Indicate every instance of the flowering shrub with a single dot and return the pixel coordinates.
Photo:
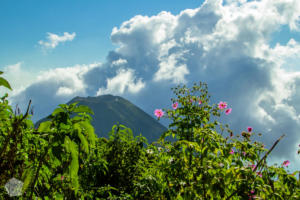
(64, 159)
(201, 164)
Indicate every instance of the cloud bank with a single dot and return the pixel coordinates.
(225, 44)
(54, 40)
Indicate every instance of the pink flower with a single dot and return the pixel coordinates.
(253, 167)
(228, 111)
(175, 105)
(244, 153)
(222, 105)
(200, 102)
(249, 128)
(286, 163)
(62, 178)
(191, 100)
(159, 113)
(259, 174)
(232, 151)
(252, 196)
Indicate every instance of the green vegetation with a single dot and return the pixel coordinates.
(64, 159)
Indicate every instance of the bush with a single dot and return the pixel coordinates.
(63, 158)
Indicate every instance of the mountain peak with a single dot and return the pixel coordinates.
(110, 110)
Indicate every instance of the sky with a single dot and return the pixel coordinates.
(248, 53)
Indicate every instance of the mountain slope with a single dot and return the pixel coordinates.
(109, 109)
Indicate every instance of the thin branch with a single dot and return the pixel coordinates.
(27, 111)
(263, 158)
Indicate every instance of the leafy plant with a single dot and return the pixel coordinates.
(64, 159)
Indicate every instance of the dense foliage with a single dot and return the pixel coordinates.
(64, 159)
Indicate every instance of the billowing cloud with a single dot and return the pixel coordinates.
(18, 77)
(124, 80)
(53, 87)
(54, 40)
(225, 44)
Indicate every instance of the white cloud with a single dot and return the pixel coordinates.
(18, 77)
(53, 87)
(54, 40)
(119, 62)
(122, 81)
(170, 70)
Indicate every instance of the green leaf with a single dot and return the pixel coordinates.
(27, 177)
(44, 126)
(59, 196)
(4, 83)
(84, 143)
(57, 110)
(83, 108)
(71, 147)
(89, 132)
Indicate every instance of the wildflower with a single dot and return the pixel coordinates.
(253, 167)
(252, 196)
(259, 174)
(191, 100)
(159, 113)
(244, 153)
(171, 160)
(200, 102)
(286, 163)
(222, 105)
(249, 128)
(245, 134)
(175, 105)
(228, 111)
(232, 151)
(62, 178)
(182, 183)
(149, 151)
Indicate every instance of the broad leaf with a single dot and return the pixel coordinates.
(4, 83)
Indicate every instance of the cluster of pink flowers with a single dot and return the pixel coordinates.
(222, 105)
(159, 113)
(232, 151)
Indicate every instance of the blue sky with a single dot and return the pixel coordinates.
(24, 23)
(248, 53)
